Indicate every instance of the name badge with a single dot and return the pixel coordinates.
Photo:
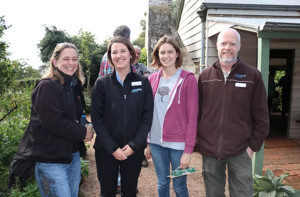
(136, 83)
(240, 85)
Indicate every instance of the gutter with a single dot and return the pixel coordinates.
(202, 14)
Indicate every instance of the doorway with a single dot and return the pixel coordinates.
(280, 76)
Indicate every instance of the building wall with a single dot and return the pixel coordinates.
(190, 33)
(248, 51)
(190, 29)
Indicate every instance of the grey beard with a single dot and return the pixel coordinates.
(228, 60)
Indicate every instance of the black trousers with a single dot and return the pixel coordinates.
(108, 168)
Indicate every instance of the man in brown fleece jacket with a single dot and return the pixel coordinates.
(233, 119)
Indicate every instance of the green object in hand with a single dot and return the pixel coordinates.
(180, 172)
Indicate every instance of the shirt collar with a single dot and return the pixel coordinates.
(118, 78)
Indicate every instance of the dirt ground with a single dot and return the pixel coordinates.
(147, 185)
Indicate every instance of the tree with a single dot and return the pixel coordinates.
(6, 66)
(143, 57)
(97, 60)
(140, 41)
(176, 7)
(7, 74)
(52, 37)
(3, 45)
(24, 71)
(89, 52)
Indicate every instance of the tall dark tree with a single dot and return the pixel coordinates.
(52, 37)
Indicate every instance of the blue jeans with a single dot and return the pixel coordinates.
(57, 179)
(239, 175)
(162, 158)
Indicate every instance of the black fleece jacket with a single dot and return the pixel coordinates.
(121, 114)
(53, 126)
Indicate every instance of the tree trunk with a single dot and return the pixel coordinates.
(159, 24)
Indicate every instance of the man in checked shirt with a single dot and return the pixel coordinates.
(105, 67)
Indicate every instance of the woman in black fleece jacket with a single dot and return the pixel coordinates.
(54, 134)
(122, 109)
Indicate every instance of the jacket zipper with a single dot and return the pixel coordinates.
(124, 118)
(220, 140)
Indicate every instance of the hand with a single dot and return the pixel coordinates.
(250, 152)
(185, 160)
(127, 150)
(148, 152)
(89, 133)
(119, 155)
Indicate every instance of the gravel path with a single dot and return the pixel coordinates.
(147, 185)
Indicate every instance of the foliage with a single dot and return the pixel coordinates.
(7, 74)
(278, 75)
(12, 127)
(3, 45)
(176, 11)
(271, 186)
(10, 71)
(88, 49)
(90, 52)
(143, 57)
(23, 70)
(6, 66)
(30, 190)
(11, 132)
(25, 82)
(52, 37)
(277, 102)
(84, 167)
(140, 41)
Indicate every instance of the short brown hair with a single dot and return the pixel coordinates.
(166, 39)
(124, 41)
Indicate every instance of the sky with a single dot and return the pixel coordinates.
(100, 17)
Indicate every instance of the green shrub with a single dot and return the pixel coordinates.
(143, 57)
(84, 167)
(271, 186)
(11, 131)
(31, 82)
(12, 128)
(30, 190)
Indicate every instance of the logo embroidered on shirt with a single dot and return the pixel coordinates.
(136, 90)
(239, 76)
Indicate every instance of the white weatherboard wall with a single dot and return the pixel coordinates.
(190, 28)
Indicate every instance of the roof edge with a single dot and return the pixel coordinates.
(272, 26)
(206, 5)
